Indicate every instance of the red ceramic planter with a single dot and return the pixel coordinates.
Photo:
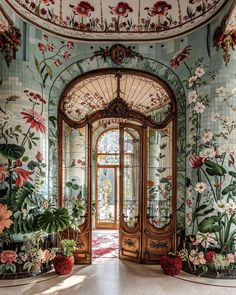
(171, 265)
(63, 264)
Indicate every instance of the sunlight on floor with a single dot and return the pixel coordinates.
(67, 283)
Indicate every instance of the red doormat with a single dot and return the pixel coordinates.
(105, 245)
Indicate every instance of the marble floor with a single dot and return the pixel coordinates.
(111, 276)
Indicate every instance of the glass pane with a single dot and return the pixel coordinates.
(106, 195)
(109, 142)
(131, 176)
(159, 186)
(75, 171)
(108, 160)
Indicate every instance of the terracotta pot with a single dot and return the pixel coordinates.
(63, 264)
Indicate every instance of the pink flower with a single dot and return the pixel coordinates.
(180, 57)
(121, 9)
(3, 173)
(196, 161)
(5, 221)
(48, 2)
(51, 47)
(22, 176)
(189, 203)
(230, 257)
(35, 119)
(70, 45)
(83, 9)
(57, 62)
(65, 55)
(159, 8)
(8, 256)
(18, 163)
(39, 157)
(46, 255)
(42, 47)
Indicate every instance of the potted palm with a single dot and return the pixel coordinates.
(64, 262)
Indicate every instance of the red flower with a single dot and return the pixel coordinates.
(171, 265)
(35, 119)
(18, 163)
(217, 184)
(5, 221)
(51, 47)
(48, 2)
(150, 183)
(180, 57)
(83, 8)
(70, 45)
(121, 9)
(42, 47)
(3, 173)
(22, 176)
(196, 161)
(39, 157)
(8, 256)
(65, 55)
(57, 62)
(209, 256)
(159, 8)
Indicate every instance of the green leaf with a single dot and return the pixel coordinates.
(12, 151)
(201, 208)
(75, 187)
(37, 65)
(25, 159)
(53, 120)
(214, 169)
(233, 174)
(69, 184)
(12, 268)
(228, 189)
(210, 225)
(54, 221)
(49, 71)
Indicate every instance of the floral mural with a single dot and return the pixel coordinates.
(106, 19)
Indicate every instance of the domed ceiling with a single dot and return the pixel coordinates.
(109, 20)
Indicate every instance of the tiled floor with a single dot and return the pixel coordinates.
(111, 276)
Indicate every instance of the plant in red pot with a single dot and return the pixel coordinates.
(171, 264)
(64, 262)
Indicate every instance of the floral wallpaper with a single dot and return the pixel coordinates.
(99, 20)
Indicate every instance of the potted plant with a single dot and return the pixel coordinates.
(171, 264)
(64, 262)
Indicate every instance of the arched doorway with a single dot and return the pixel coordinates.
(141, 105)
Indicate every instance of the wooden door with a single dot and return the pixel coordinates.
(131, 175)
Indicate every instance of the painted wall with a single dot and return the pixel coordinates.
(27, 119)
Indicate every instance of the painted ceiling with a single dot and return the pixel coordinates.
(133, 20)
(140, 93)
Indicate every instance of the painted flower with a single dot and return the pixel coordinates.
(51, 47)
(35, 119)
(45, 204)
(121, 9)
(199, 72)
(205, 239)
(200, 187)
(215, 117)
(39, 157)
(197, 258)
(230, 257)
(70, 45)
(65, 55)
(42, 47)
(22, 176)
(83, 9)
(207, 137)
(199, 107)
(234, 91)
(220, 90)
(180, 57)
(192, 80)
(159, 8)
(8, 257)
(225, 148)
(220, 206)
(57, 62)
(230, 207)
(46, 256)
(3, 173)
(208, 153)
(48, 2)
(5, 214)
(209, 256)
(150, 183)
(189, 203)
(196, 161)
(192, 96)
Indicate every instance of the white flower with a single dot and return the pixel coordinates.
(207, 136)
(230, 207)
(234, 92)
(192, 96)
(200, 187)
(220, 206)
(215, 117)
(208, 153)
(205, 239)
(199, 108)
(225, 148)
(199, 72)
(192, 80)
(220, 90)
